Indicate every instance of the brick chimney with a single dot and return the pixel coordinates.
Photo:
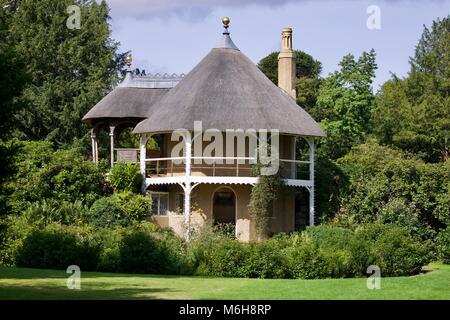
(286, 63)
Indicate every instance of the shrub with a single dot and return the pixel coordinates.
(305, 261)
(388, 186)
(327, 252)
(109, 258)
(224, 258)
(120, 209)
(443, 245)
(393, 249)
(266, 260)
(45, 174)
(15, 229)
(156, 253)
(107, 213)
(126, 177)
(135, 206)
(57, 247)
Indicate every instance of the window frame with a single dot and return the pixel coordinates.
(159, 194)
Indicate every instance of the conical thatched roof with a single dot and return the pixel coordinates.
(226, 90)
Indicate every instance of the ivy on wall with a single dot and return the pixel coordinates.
(262, 197)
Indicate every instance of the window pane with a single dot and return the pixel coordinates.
(164, 204)
(155, 202)
(179, 203)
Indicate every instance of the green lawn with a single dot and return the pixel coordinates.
(18, 283)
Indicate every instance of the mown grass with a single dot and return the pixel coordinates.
(21, 283)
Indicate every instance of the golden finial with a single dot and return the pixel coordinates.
(226, 21)
(129, 59)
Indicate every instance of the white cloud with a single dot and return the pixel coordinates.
(194, 9)
(187, 8)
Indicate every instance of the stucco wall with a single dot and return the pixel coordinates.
(283, 219)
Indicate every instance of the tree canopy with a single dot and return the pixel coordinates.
(70, 69)
(414, 113)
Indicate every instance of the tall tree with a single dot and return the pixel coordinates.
(71, 69)
(414, 113)
(307, 72)
(13, 78)
(344, 104)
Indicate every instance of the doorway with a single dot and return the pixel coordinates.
(224, 206)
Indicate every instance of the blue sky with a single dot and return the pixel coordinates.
(174, 35)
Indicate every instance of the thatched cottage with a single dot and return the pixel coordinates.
(200, 135)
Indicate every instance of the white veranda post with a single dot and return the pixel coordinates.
(111, 141)
(187, 185)
(143, 154)
(94, 141)
(311, 178)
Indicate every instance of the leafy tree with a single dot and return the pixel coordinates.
(63, 175)
(414, 113)
(307, 72)
(70, 69)
(388, 186)
(13, 78)
(345, 103)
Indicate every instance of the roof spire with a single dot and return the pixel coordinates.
(129, 73)
(226, 41)
(226, 22)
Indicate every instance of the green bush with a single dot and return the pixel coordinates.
(305, 261)
(443, 245)
(57, 247)
(14, 231)
(154, 253)
(266, 260)
(224, 258)
(135, 206)
(387, 186)
(120, 209)
(126, 177)
(55, 176)
(393, 249)
(107, 213)
(327, 252)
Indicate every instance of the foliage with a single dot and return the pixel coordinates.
(59, 247)
(44, 174)
(319, 252)
(120, 209)
(224, 258)
(143, 252)
(262, 197)
(330, 185)
(126, 177)
(307, 73)
(266, 260)
(135, 206)
(443, 245)
(70, 69)
(413, 113)
(107, 213)
(393, 249)
(344, 104)
(388, 187)
(306, 66)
